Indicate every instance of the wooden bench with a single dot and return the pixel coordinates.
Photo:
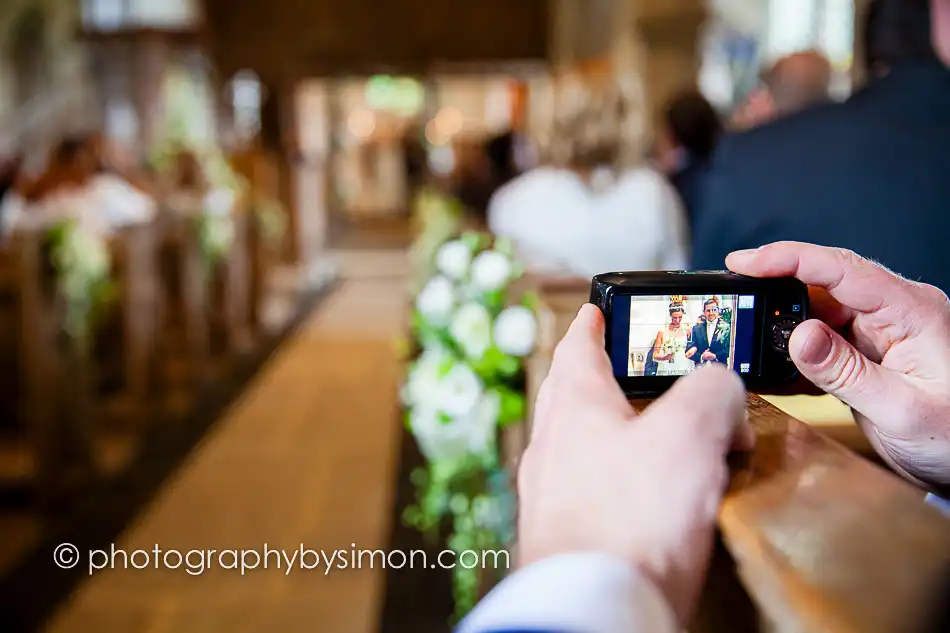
(56, 389)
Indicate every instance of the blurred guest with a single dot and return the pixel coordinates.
(687, 140)
(586, 212)
(10, 170)
(80, 184)
(868, 175)
(793, 83)
(414, 157)
(500, 151)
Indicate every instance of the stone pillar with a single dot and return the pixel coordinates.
(669, 38)
(653, 43)
(151, 63)
(301, 167)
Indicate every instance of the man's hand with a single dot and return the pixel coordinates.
(708, 356)
(881, 344)
(597, 477)
(691, 352)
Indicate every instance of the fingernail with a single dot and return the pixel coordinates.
(817, 347)
(745, 253)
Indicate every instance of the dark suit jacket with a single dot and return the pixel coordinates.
(688, 182)
(719, 346)
(871, 175)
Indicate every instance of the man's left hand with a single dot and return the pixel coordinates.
(597, 477)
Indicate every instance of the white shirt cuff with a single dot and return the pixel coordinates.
(574, 593)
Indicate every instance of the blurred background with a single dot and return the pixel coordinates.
(240, 385)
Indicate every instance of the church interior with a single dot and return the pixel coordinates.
(229, 362)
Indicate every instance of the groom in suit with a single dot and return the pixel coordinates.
(711, 337)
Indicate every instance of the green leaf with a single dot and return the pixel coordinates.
(509, 366)
(494, 300)
(531, 300)
(505, 246)
(446, 366)
(513, 407)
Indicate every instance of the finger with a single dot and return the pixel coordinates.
(582, 350)
(853, 281)
(836, 367)
(720, 423)
(581, 376)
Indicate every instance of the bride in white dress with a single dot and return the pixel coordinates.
(590, 211)
(669, 349)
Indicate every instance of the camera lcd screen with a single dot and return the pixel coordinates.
(672, 335)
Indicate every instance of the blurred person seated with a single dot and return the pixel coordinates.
(191, 190)
(794, 83)
(79, 183)
(868, 174)
(686, 141)
(585, 212)
(617, 510)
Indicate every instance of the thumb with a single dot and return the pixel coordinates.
(837, 368)
(720, 422)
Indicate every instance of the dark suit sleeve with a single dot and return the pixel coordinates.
(716, 217)
(699, 341)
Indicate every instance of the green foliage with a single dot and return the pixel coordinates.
(496, 367)
(272, 218)
(215, 237)
(83, 269)
(471, 494)
(513, 407)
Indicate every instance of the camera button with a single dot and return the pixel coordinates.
(782, 332)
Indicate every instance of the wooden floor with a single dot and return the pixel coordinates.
(306, 456)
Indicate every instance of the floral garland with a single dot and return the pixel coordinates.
(82, 264)
(467, 384)
(271, 217)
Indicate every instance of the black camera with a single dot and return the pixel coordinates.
(662, 325)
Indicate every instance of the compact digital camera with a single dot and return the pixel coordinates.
(663, 325)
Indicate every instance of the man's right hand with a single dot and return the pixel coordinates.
(882, 346)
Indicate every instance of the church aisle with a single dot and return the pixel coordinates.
(306, 456)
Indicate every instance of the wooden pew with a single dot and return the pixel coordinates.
(230, 310)
(823, 540)
(813, 537)
(185, 294)
(56, 383)
(137, 314)
(9, 339)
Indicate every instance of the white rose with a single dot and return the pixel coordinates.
(436, 301)
(422, 383)
(459, 391)
(462, 436)
(481, 424)
(491, 271)
(453, 259)
(471, 329)
(516, 331)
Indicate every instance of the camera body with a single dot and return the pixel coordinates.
(662, 325)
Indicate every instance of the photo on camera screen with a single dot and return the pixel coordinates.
(672, 335)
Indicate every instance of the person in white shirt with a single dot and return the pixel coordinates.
(80, 184)
(586, 213)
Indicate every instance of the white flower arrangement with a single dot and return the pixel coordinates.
(465, 385)
(83, 266)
